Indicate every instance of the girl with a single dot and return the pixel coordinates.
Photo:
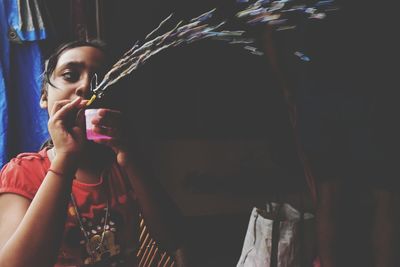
(76, 202)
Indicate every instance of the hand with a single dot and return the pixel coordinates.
(66, 131)
(112, 123)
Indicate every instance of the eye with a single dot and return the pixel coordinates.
(71, 76)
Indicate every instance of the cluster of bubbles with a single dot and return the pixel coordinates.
(282, 14)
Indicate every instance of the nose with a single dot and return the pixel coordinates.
(83, 89)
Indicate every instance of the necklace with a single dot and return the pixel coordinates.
(94, 245)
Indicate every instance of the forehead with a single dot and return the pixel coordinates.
(90, 57)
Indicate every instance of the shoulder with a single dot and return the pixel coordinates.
(27, 161)
(24, 173)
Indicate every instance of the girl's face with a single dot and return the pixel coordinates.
(72, 75)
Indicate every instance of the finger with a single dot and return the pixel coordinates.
(81, 112)
(58, 105)
(108, 118)
(83, 103)
(111, 132)
(66, 110)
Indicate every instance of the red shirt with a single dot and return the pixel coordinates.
(24, 174)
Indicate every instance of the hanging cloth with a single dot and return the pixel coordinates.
(23, 125)
(25, 20)
(4, 72)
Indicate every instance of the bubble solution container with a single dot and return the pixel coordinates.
(90, 134)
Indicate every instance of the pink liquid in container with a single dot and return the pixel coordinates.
(90, 134)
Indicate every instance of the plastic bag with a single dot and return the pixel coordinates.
(279, 236)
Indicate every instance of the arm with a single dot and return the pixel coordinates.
(160, 213)
(23, 240)
(30, 233)
(12, 210)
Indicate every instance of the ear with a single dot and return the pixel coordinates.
(43, 101)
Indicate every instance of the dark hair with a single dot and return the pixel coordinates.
(51, 62)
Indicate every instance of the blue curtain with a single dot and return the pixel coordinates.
(23, 125)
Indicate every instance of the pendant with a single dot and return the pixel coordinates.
(97, 248)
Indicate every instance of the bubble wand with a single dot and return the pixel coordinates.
(261, 12)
